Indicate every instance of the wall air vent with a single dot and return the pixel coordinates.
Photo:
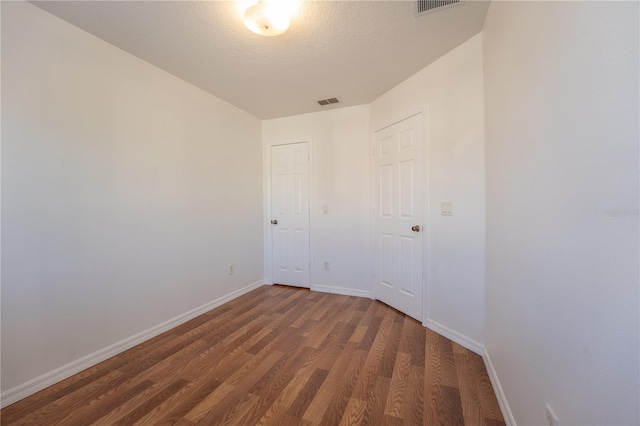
(328, 101)
(428, 6)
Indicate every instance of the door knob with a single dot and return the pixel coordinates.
(415, 228)
(274, 222)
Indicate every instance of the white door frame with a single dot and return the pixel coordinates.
(376, 127)
(268, 228)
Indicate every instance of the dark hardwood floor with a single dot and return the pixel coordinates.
(280, 356)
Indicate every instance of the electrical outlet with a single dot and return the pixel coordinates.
(325, 209)
(325, 265)
(552, 419)
(231, 270)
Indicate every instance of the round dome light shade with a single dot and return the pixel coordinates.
(265, 20)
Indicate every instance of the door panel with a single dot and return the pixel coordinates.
(406, 189)
(399, 202)
(386, 266)
(290, 209)
(407, 266)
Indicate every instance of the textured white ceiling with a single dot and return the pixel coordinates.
(353, 50)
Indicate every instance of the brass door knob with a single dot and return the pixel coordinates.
(274, 222)
(415, 228)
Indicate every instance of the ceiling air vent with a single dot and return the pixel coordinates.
(428, 6)
(328, 101)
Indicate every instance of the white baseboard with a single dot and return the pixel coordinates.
(453, 335)
(497, 388)
(35, 385)
(341, 290)
(476, 347)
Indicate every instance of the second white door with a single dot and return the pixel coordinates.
(398, 216)
(290, 214)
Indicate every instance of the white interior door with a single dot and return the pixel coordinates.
(290, 214)
(398, 216)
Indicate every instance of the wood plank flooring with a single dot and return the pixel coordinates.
(278, 356)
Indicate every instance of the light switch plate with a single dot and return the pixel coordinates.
(446, 208)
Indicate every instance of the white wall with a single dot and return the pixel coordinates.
(561, 85)
(451, 88)
(126, 193)
(340, 179)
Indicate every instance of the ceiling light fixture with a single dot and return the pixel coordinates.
(269, 17)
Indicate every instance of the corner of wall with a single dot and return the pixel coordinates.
(497, 388)
(455, 336)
